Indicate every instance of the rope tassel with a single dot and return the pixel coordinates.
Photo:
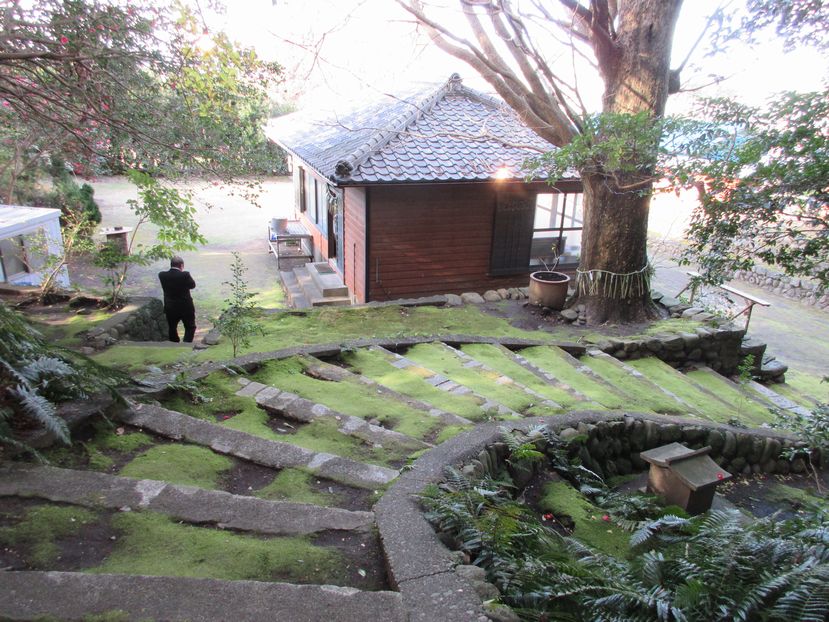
(614, 285)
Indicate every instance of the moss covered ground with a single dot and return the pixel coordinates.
(41, 527)
(411, 382)
(442, 360)
(593, 526)
(744, 408)
(223, 407)
(349, 397)
(496, 358)
(190, 465)
(153, 544)
(557, 363)
(641, 391)
(296, 486)
(707, 404)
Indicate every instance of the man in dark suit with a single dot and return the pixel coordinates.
(178, 305)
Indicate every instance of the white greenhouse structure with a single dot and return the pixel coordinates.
(27, 236)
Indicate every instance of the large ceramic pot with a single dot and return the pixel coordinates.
(548, 289)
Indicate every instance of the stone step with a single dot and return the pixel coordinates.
(744, 405)
(503, 360)
(327, 280)
(268, 453)
(779, 401)
(298, 408)
(313, 294)
(441, 383)
(333, 373)
(293, 290)
(464, 370)
(642, 392)
(570, 370)
(187, 503)
(73, 595)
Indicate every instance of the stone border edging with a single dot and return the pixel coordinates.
(420, 566)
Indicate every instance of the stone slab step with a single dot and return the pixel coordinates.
(744, 404)
(296, 297)
(298, 408)
(443, 383)
(780, 401)
(187, 503)
(326, 371)
(327, 280)
(268, 453)
(313, 293)
(636, 384)
(74, 595)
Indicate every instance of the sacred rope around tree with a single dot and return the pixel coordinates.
(613, 284)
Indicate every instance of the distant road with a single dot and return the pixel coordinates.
(796, 334)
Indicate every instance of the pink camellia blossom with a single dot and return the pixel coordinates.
(606, 518)
(720, 476)
(105, 106)
(547, 516)
(64, 39)
(6, 103)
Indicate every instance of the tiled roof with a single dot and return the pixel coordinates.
(444, 133)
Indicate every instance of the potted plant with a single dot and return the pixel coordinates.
(548, 288)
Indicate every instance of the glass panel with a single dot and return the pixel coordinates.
(11, 250)
(558, 224)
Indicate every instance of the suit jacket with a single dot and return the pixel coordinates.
(177, 285)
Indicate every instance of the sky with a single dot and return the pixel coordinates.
(347, 49)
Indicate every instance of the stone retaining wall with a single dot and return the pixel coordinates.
(141, 320)
(803, 290)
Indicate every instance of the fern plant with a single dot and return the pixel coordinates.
(35, 375)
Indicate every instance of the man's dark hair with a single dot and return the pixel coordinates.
(176, 262)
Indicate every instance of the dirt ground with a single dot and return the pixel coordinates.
(230, 223)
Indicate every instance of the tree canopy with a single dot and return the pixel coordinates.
(112, 86)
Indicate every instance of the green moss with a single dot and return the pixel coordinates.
(448, 432)
(741, 406)
(557, 363)
(496, 358)
(488, 383)
(806, 388)
(190, 465)
(708, 405)
(98, 461)
(155, 545)
(411, 382)
(41, 527)
(590, 528)
(296, 486)
(642, 394)
(796, 497)
(348, 397)
(124, 443)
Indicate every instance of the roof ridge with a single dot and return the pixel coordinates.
(345, 166)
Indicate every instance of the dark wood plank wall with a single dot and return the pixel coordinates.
(433, 239)
(354, 241)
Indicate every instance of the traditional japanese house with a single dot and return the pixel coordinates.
(427, 193)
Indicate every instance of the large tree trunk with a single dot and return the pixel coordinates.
(613, 280)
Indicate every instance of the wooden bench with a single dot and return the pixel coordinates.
(288, 238)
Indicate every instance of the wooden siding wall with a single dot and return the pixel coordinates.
(313, 194)
(354, 241)
(433, 239)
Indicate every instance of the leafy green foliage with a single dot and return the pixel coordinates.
(238, 320)
(35, 375)
(813, 431)
(171, 211)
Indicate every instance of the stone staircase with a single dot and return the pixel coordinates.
(314, 285)
(348, 419)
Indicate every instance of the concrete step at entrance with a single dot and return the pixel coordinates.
(300, 409)
(643, 392)
(313, 294)
(187, 503)
(569, 370)
(412, 377)
(293, 290)
(743, 403)
(503, 360)
(327, 280)
(706, 402)
(466, 371)
(326, 371)
(268, 453)
(75, 595)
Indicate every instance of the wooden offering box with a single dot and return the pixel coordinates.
(684, 477)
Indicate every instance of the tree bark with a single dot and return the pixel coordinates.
(636, 76)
